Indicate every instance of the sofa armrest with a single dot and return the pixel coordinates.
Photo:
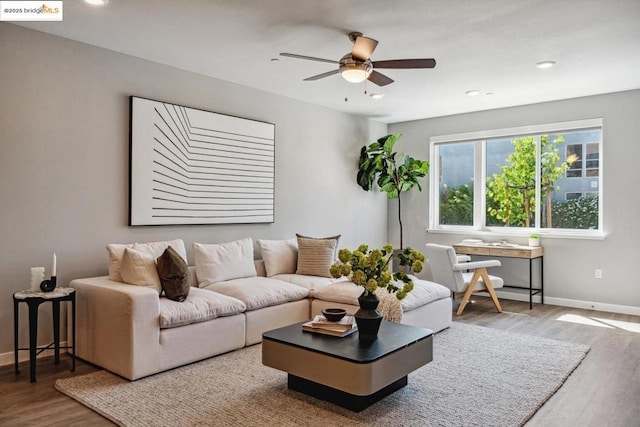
(117, 326)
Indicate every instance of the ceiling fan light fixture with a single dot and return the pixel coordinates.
(377, 95)
(355, 73)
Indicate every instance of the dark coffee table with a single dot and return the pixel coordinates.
(345, 371)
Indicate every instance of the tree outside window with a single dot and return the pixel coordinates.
(511, 194)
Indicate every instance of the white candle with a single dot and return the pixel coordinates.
(53, 269)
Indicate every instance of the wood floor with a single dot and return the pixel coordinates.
(604, 391)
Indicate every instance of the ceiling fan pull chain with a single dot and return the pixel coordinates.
(346, 90)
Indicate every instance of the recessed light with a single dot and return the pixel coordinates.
(377, 95)
(545, 64)
(473, 92)
(97, 2)
(275, 59)
(489, 93)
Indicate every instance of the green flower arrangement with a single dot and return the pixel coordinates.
(370, 268)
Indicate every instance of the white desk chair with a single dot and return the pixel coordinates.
(447, 270)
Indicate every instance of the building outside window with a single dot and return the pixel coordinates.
(543, 178)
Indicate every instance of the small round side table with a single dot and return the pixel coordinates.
(33, 300)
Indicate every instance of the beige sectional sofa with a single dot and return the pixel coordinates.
(135, 332)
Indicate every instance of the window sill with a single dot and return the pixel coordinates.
(497, 234)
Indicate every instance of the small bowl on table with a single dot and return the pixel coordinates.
(334, 314)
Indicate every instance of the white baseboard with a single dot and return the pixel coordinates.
(23, 355)
(564, 302)
(517, 296)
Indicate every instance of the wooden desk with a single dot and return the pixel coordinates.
(522, 252)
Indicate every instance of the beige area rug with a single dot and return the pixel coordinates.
(479, 377)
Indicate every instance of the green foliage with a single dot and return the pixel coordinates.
(393, 172)
(511, 193)
(581, 214)
(370, 268)
(456, 205)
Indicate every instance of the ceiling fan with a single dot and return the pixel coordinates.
(356, 66)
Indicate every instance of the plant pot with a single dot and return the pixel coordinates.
(368, 318)
(395, 264)
(534, 242)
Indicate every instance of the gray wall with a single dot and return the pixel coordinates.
(64, 123)
(568, 263)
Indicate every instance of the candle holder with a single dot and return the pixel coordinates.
(48, 285)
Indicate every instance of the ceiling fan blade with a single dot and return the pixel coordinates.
(379, 78)
(309, 58)
(406, 63)
(363, 47)
(323, 75)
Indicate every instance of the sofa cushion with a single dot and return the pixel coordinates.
(139, 268)
(423, 293)
(199, 306)
(156, 249)
(309, 282)
(280, 256)
(315, 255)
(259, 292)
(116, 251)
(224, 261)
(345, 292)
(174, 275)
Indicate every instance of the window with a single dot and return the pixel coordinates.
(593, 159)
(590, 166)
(544, 178)
(456, 184)
(575, 169)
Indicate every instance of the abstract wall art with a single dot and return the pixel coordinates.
(189, 166)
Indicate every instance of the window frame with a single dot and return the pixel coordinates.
(587, 169)
(480, 138)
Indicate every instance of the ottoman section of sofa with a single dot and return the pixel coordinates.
(428, 305)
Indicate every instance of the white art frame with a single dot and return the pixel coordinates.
(190, 166)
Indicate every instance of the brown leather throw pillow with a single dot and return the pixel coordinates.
(174, 275)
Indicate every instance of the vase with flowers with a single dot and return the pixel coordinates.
(369, 268)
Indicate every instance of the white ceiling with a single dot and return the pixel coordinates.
(488, 45)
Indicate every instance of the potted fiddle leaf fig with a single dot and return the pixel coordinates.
(393, 172)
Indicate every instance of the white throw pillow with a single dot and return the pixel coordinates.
(139, 268)
(115, 260)
(225, 261)
(279, 256)
(156, 249)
